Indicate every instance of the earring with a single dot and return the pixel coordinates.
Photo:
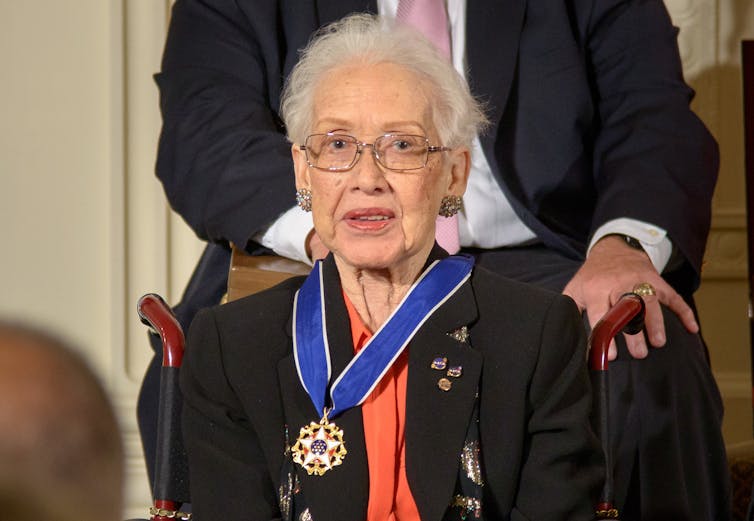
(450, 205)
(304, 199)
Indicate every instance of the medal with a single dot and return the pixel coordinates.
(319, 447)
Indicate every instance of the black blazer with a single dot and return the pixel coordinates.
(525, 357)
(590, 116)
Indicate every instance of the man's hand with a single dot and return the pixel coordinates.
(613, 268)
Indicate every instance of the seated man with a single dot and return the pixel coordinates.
(60, 448)
(595, 178)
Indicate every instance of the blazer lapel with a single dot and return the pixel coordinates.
(493, 28)
(343, 491)
(436, 419)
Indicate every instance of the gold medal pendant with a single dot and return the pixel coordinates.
(319, 447)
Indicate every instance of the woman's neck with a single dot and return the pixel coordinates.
(376, 293)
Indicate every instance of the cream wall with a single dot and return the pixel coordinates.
(86, 229)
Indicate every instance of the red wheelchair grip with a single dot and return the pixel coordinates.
(155, 312)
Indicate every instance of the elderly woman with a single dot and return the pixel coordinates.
(394, 382)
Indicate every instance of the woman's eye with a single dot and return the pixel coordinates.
(337, 144)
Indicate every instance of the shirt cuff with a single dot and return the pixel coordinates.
(287, 235)
(654, 240)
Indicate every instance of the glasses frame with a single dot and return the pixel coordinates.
(360, 146)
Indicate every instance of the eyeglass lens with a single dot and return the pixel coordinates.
(393, 151)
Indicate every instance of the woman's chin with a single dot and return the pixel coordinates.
(374, 254)
(376, 259)
(380, 254)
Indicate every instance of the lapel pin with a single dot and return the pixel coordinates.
(455, 371)
(444, 384)
(439, 363)
(461, 334)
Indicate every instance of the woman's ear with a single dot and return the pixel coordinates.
(300, 167)
(460, 166)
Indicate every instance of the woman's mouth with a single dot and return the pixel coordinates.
(369, 219)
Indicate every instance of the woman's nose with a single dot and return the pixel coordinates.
(369, 172)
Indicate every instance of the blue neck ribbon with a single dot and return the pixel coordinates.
(312, 352)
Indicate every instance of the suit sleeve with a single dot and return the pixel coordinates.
(228, 475)
(654, 160)
(562, 468)
(223, 157)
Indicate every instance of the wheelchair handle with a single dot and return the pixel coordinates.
(155, 313)
(626, 315)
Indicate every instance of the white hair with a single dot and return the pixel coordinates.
(369, 39)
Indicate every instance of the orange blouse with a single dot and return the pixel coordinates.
(384, 414)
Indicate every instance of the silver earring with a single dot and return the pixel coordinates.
(450, 205)
(304, 199)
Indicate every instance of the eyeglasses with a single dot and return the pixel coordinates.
(340, 152)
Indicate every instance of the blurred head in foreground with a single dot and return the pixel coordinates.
(60, 448)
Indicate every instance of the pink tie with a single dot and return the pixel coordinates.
(429, 18)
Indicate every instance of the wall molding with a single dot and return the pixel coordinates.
(734, 384)
(141, 219)
(726, 254)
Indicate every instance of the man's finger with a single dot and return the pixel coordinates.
(678, 306)
(636, 345)
(612, 352)
(654, 323)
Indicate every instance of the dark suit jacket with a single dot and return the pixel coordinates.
(590, 116)
(525, 356)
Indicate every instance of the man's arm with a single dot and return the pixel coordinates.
(223, 158)
(654, 161)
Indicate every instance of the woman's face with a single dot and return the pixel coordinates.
(371, 217)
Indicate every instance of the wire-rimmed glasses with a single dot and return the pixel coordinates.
(339, 152)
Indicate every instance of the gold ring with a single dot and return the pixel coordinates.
(644, 289)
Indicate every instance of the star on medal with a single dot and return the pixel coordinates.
(319, 447)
